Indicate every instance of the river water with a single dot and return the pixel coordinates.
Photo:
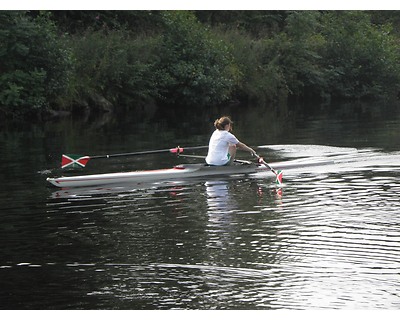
(329, 238)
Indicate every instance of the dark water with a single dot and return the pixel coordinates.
(328, 239)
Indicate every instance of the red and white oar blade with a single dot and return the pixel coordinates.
(279, 177)
(278, 173)
(74, 161)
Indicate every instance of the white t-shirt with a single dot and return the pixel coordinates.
(219, 146)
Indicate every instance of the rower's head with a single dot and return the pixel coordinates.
(223, 123)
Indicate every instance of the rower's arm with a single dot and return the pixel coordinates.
(244, 147)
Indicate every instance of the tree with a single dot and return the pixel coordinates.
(195, 68)
(34, 64)
(361, 59)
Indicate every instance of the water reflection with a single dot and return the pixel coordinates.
(222, 207)
(218, 198)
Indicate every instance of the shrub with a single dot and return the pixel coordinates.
(33, 62)
(114, 65)
(362, 59)
(196, 69)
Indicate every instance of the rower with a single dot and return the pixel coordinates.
(223, 144)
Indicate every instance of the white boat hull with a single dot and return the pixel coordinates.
(177, 172)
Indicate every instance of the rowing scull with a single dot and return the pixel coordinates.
(177, 172)
(182, 171)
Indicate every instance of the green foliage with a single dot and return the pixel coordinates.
(361, 59)
(79, 21)
(15, 92)
(119, 59)
(256, 23)
(112, 65)
(34, 64)
(183, 66)
(195, 68)
(320, 55)
(286, 63)
(259, 77)
(299, 53)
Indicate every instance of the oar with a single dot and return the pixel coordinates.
(81, 161)
(278, 173)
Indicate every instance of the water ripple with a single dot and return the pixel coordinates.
(329, 238)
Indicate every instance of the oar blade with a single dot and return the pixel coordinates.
(74, 161)
(278, 173)
(279, 177)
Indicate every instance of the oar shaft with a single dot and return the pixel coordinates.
(277, 173)
(172, 150)
(191, 156)
(267, 165)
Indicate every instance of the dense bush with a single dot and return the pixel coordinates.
(196, 68)
(111, 66)
(119, 59)
(34, 63)
(361, 59)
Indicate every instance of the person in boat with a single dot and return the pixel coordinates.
(223, 144)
